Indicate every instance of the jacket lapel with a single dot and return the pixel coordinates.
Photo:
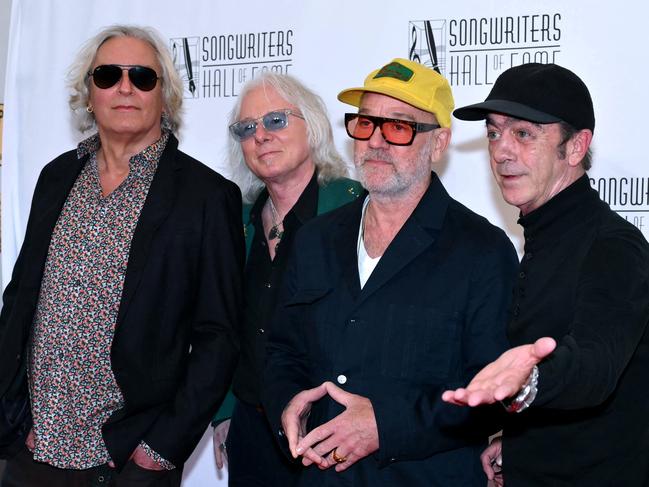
(53, 195)
(346, 249)
(418, 233)
(159, 202)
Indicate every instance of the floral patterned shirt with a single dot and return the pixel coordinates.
(72, 386)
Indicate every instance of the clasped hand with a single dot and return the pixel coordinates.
(342, 441)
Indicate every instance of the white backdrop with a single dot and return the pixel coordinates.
(330, 46)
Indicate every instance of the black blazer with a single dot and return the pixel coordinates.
(430, 316)
(175, 343)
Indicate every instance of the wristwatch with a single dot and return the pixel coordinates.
(525, 396)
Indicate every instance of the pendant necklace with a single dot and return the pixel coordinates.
(275, 232)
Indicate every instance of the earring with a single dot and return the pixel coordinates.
(89, 108)
(165, 122)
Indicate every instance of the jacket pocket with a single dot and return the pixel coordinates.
(15, 415)
(311, 313)
(307, 296)
(419, 343)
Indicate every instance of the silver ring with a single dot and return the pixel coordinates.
(222, 446)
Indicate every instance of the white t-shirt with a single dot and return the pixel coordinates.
(366, 264)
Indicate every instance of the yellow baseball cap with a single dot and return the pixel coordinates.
(410, 82)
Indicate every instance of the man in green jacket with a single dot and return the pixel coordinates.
(286, 162)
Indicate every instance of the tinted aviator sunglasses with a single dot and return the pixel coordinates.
(272, 121)
(108, 75)
(394, 131)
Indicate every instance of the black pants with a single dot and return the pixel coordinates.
(23, 471)
(254, 458)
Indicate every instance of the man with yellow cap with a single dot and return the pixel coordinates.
(387, 301)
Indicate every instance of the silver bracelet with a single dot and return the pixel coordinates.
(525, 396)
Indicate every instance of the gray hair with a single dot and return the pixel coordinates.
(78, 79)
(323, 151)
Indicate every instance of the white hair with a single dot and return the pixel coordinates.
(323, 151)
(78, 79)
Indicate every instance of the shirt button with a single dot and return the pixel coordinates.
(18, 357)
(261, 331)
(268, 285)
(351, 321)
(263, 243)
(341, 379)
(521, 275)
(528, 256)
(280, 433)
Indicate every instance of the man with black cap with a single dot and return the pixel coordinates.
(389, 301)
(581, 304)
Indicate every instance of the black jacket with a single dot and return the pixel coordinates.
(175, 344)
(431, 315)
(584, 280)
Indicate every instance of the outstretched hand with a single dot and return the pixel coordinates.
(502, 378)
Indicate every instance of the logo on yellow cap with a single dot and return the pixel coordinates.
(395, 70)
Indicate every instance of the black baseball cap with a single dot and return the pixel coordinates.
(540, 93)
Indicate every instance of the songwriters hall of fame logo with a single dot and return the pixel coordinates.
(475, 51)
(423, 44)
(219, 65)
(628, 196)
(184, 51)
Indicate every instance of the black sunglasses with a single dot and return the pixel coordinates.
(394, 131)
(108, 75)
(272, 121)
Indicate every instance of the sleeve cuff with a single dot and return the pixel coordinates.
(156, 457)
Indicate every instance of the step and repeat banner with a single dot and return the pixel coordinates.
(218, 46)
